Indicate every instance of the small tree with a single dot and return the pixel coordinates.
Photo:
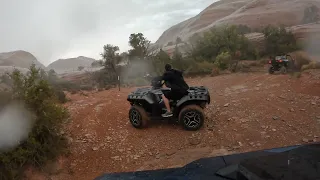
(97, 63)
(44, 142)
(243, 29)
(223, 60)
(80, 68)
(110, 57)
(177, 59)
(279, 40)
(139, 44)
(190, 48)
(222, 39)
(178, 40)
(159, 61)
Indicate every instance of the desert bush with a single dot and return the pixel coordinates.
(301, 58)
(60, 95)
(243, 68)
(63, 84)
(44, 142)
(243, 29)
(311, 65)
(200, 68)
(80, 68)
(224, 39)
(223, 60)
(255, 63)
(104, 78)
(159, 61)
(59, 85)
(97, 63)
(215, 71)
(279, 41)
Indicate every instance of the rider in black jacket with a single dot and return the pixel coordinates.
(173, 79)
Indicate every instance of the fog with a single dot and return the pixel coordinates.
(312, 46)
(51, 30)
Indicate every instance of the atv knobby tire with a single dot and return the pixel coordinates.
(283, 70)
(191, 117)
(271, 70)
(138, 117)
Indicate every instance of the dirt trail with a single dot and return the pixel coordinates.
(248, 112)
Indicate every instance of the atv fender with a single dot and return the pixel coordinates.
(190, 97)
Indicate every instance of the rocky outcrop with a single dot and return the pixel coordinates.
(21, 59)
(253, 13)
(307, 34)
(70, 64)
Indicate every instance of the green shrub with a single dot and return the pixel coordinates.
(159, 61)
(60, 95)
(200, 68)
(224, 39)
(243, 29)
(223, 60)
(301, 58)
(44, 142)
(311, 65)
(279, 41)
(97, 63)
(243, 68)
(104, 78)
(215, 71)
(64, 85)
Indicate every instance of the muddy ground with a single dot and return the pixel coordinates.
(249, 111)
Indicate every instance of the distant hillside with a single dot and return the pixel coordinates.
(19, 58)
(253, 13)
(70, 64)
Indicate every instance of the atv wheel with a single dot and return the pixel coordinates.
(138, 117)
(283, 70)
(271, 70)
(191, 117)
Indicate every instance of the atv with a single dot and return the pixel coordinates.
(281, 63)
(147, 104)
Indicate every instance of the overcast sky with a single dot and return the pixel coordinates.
(69, 28)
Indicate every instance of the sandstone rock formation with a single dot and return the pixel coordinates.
(253, 13)
(70, 64)
(20, 59)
